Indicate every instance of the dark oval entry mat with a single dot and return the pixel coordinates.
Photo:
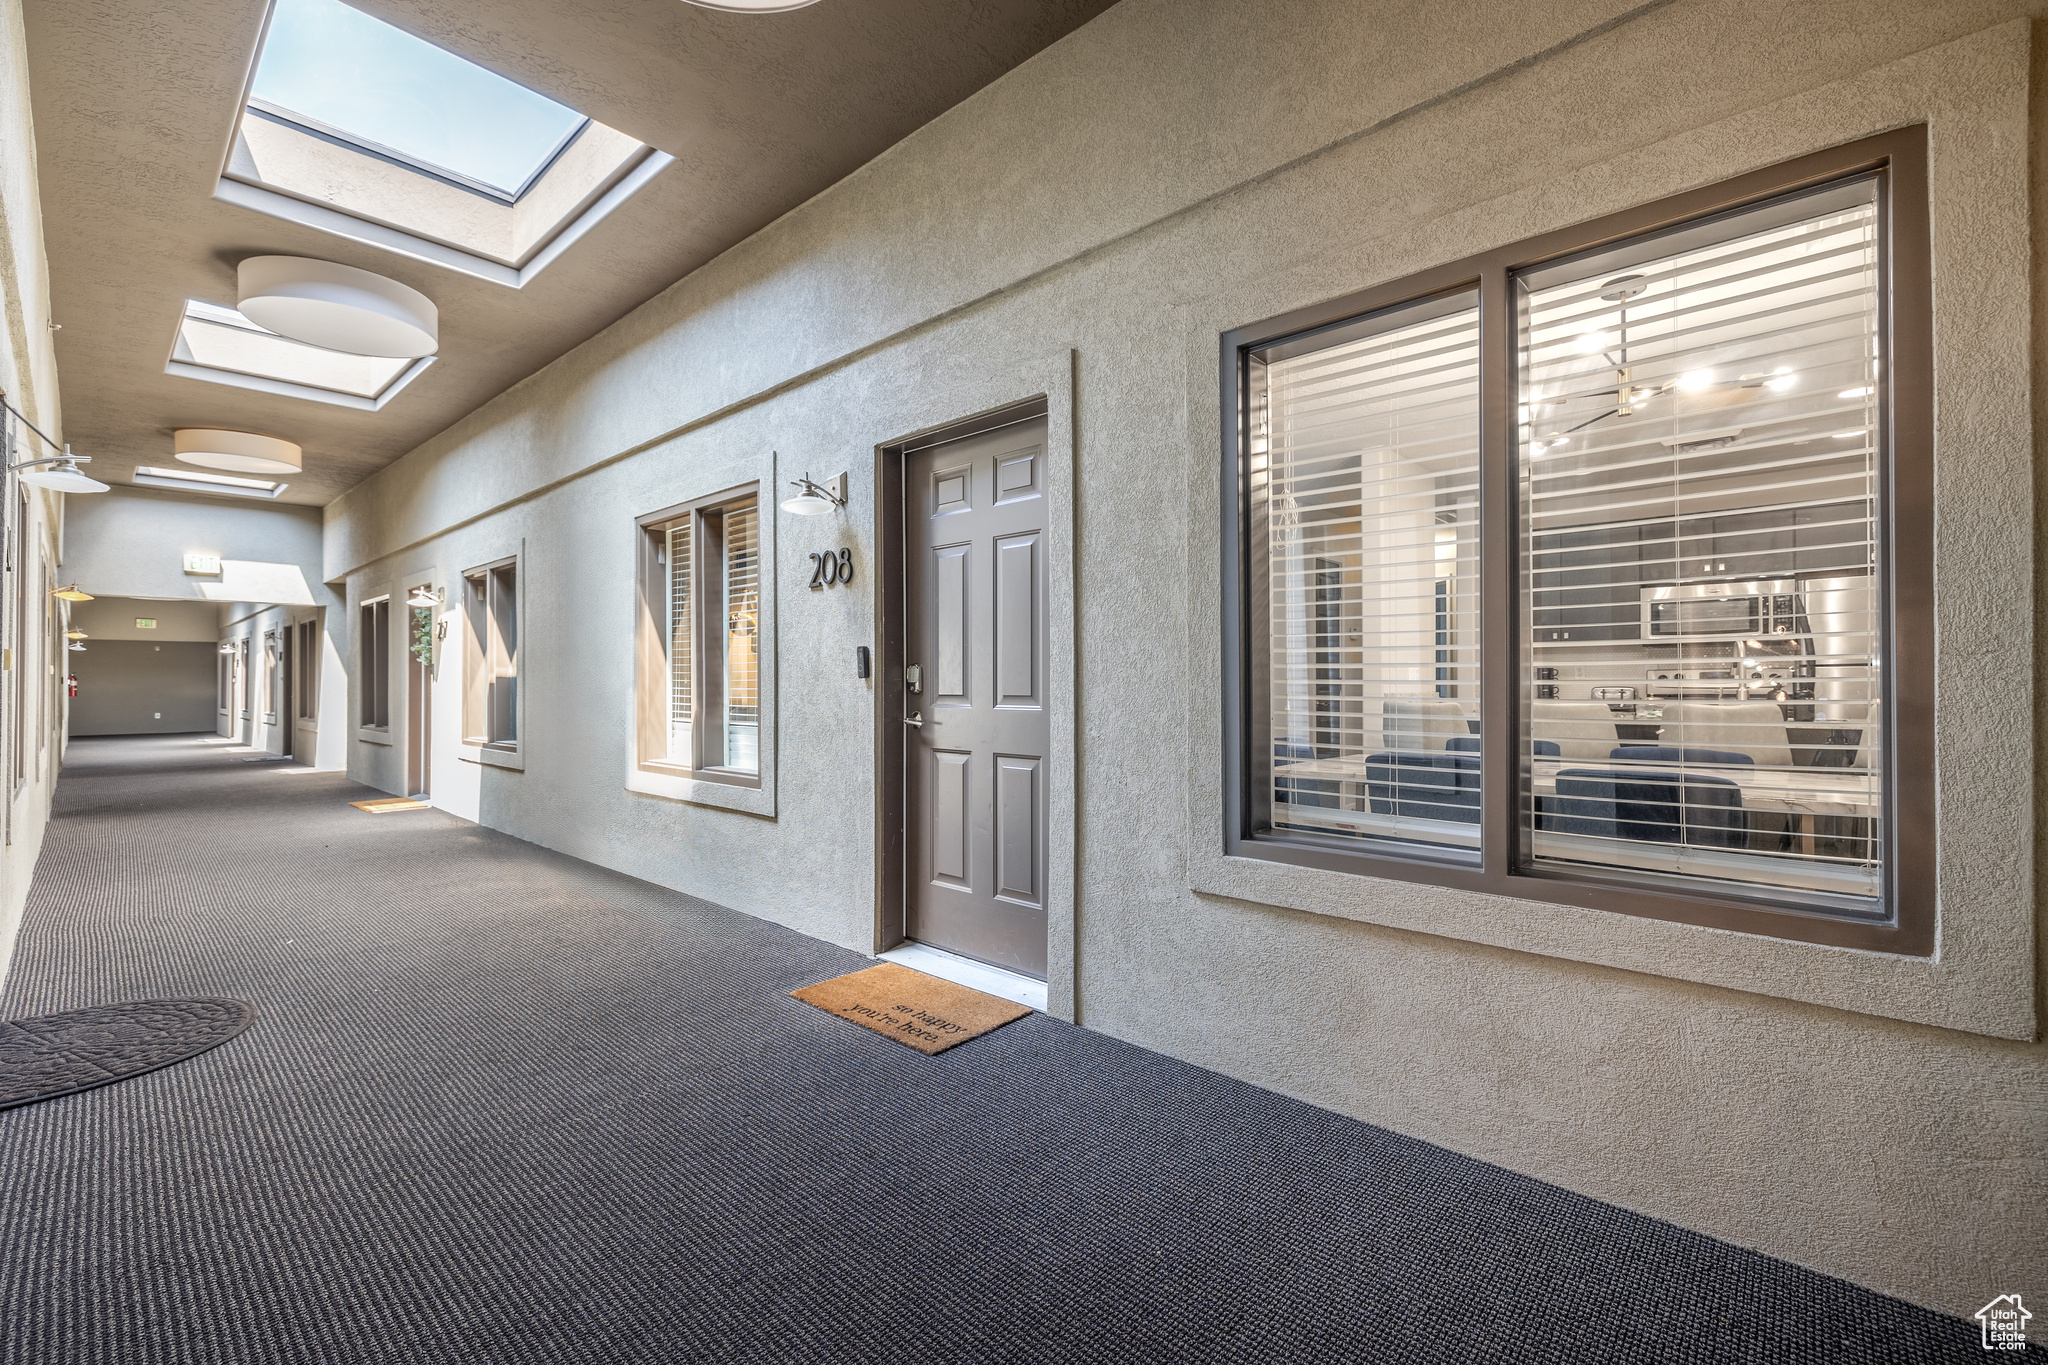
(61, 1054)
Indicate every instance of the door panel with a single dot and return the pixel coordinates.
(949, 624)
(975, 625)
(1017, 824)
(1017, 620)
(951, 774)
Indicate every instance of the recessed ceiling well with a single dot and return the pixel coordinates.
(142, 119)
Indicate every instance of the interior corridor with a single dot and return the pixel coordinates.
(502, 1106)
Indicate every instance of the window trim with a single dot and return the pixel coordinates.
(1899, 160)
(650, 650)
(479, 653)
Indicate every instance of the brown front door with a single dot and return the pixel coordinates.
(975, 631)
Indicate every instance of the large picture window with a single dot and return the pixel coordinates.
(1597, 569)
(699, 640)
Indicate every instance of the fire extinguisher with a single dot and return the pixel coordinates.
(71, 684)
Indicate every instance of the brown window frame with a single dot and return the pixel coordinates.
(651, 663)
(1898, 161)
(490, 670)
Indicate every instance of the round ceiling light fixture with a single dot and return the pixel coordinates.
(753, 6)
(242, 451)
(337, 307)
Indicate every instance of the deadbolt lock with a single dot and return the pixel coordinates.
(913, 678)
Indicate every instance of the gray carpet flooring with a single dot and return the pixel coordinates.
(502, 1106)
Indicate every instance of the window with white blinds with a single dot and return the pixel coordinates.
(700, 698)
(1362, 482)
(1673, 469)
(1700, 603)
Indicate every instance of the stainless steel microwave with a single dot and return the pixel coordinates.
(1750, 610)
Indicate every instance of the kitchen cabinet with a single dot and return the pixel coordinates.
(1586, 581)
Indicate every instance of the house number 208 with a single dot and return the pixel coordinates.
(830, 569)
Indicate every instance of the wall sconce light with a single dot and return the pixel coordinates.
(227, 647)
(72, 593)
(816, 498)
(76, 635)
(77, 646)
(64, 474)
(427, 597)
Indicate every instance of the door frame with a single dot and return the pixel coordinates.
(1053, 402)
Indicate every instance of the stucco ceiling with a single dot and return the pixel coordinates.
(135, 101)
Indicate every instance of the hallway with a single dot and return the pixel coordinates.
(504, 1106)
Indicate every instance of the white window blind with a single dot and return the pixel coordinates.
(679, 653)
(742, 684)
(1701, 593)
(1363, 479)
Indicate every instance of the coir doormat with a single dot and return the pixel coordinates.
(384, 805)
(916, 1010)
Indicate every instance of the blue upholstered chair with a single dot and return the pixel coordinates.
(1424, 786)
(1469, 744)
(1654, 807)
(1658, 753)
(1299, 791)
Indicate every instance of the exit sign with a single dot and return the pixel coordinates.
(202, 563)
(145, 623)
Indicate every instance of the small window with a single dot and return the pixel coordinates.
(490, 693)
(308, 670)
(700, 670)
(373, 654)
(1597, 569)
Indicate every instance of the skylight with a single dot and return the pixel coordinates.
(192, 481)
(340, 70)
(221, 346)
(222, 339)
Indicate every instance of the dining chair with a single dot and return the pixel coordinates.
(1660, 753)
(1651, 807)
(1424, 786)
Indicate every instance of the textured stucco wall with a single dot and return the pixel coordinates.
(28, 375)
(113, 618)
(132, 543)
(133, 687)
(1085, 228)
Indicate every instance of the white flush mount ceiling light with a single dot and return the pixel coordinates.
(337, 306)
(244, 452)
(753, 6)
